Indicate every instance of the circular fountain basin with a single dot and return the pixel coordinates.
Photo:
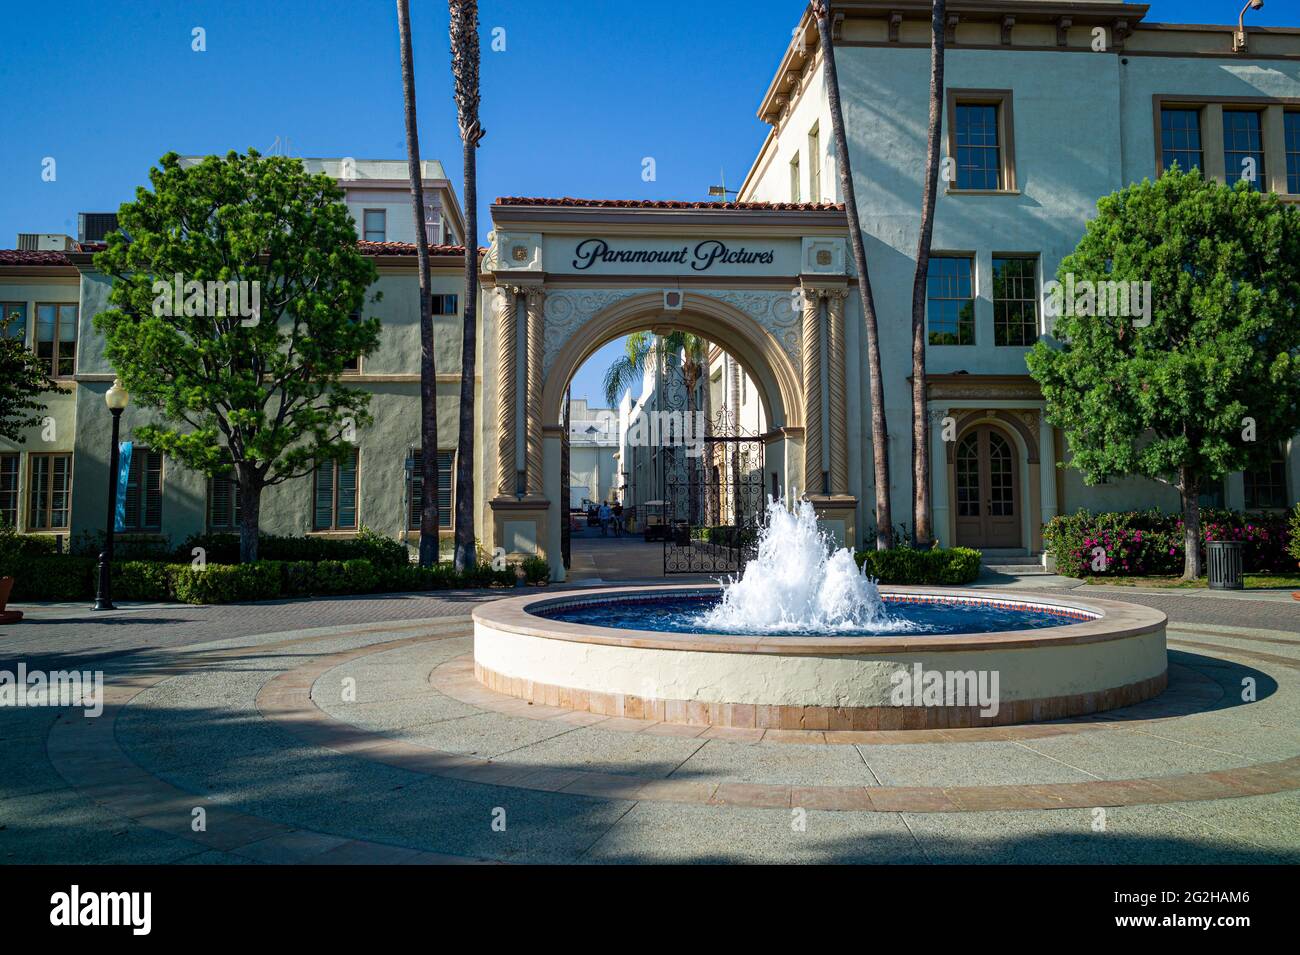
(1055, 658)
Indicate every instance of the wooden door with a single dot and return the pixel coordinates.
(987, 489)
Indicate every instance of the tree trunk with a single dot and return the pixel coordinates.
(921, 515)
(1189, 486)
(428, 374)
(465, 63)
(250, 504)
(879, 426)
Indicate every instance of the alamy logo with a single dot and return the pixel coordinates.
(233, 299)
(1118, 299)
(56, 688)
(75, 907)
(922, 687)
(664, 429)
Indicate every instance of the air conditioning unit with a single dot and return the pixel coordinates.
(45, 242)
(95, 226)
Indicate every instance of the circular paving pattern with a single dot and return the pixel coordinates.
(342, 746)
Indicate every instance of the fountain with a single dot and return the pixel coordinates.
(803, 639)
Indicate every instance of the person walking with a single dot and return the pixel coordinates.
(618, 518)
(604, 515)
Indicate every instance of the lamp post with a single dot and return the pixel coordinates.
(116, 399)
(1239, 37)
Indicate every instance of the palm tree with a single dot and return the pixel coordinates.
(428, 377)
(921, 515)
(464, 71)
(879, 427)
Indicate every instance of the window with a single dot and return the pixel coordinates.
(950, 301)
(1291, 125)
(1212, 497)
(1266, 486)
(445, 304)
(336, 495)
(794, 179)
(814, 165)
(1180, 139)
(981, 141)
(1243, 147)
(9, 489)
(223, 502)
(375, 225)
(415, 488)
(1015, 301)
(49, 491)
(13, 320)
(143, 510)
(56, 338)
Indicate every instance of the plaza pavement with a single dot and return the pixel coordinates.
(240, 711)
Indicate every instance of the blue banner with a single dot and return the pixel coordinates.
(123, 474)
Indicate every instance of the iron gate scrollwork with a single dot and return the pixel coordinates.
(713, 497)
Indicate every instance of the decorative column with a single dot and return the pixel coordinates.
(1046, 468)
(838, 406)
(507, 382)
(535, 298)
(810, 348)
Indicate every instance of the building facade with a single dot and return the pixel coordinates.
(1049, 106)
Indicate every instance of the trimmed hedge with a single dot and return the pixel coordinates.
(1142, 543)
(1293, 548)
(905, 565)
(367, 545)
(69, 577)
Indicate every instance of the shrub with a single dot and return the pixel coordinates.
(143, 580)
(905, 565)
(1138, 543)
(16, 549)
(536, 570)
(56, 577)
(367, 545)
(1293, 548)
(228, 583)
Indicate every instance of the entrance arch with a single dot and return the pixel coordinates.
(751, 344)
(753, 347)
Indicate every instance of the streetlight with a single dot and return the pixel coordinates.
(1239, 38)
(116, 399)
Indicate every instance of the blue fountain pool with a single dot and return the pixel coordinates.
(902, 614)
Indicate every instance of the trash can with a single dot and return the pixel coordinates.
(1224, 558)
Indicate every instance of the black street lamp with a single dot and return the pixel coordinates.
(116, 399)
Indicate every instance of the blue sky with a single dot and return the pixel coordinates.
(581, 93)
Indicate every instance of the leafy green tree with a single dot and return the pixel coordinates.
(23, 379)
(244, 365)
(1202, 376)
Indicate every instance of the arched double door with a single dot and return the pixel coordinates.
(988, 494)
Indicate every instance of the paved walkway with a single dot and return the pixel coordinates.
(365, 738)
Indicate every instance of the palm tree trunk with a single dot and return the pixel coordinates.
(921, 514)
(464, 68)
(428, 375)
(879, 427)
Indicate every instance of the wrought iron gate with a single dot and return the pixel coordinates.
(713, 499)
(566, 519)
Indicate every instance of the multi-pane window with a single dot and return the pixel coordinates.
(979, 149)
(415, 488)
(49, 491)
(375, 225)
(9, 489)
(1291, 127)
(1002, 490)
(13, 320)
(1015, 301)
(1243, 147)
(444, 304)
(968, 476)
(815, 165)
(950, 301)
(794, 179)
(336, 495)
(143, 511)
(223, 502)
(1266, 486)
(353, 365)
(1180, 139)
(56, 338)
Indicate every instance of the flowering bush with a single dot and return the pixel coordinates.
(1141, 543)
(1294, 547)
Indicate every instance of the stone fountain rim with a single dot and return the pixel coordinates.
(1117, 621)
